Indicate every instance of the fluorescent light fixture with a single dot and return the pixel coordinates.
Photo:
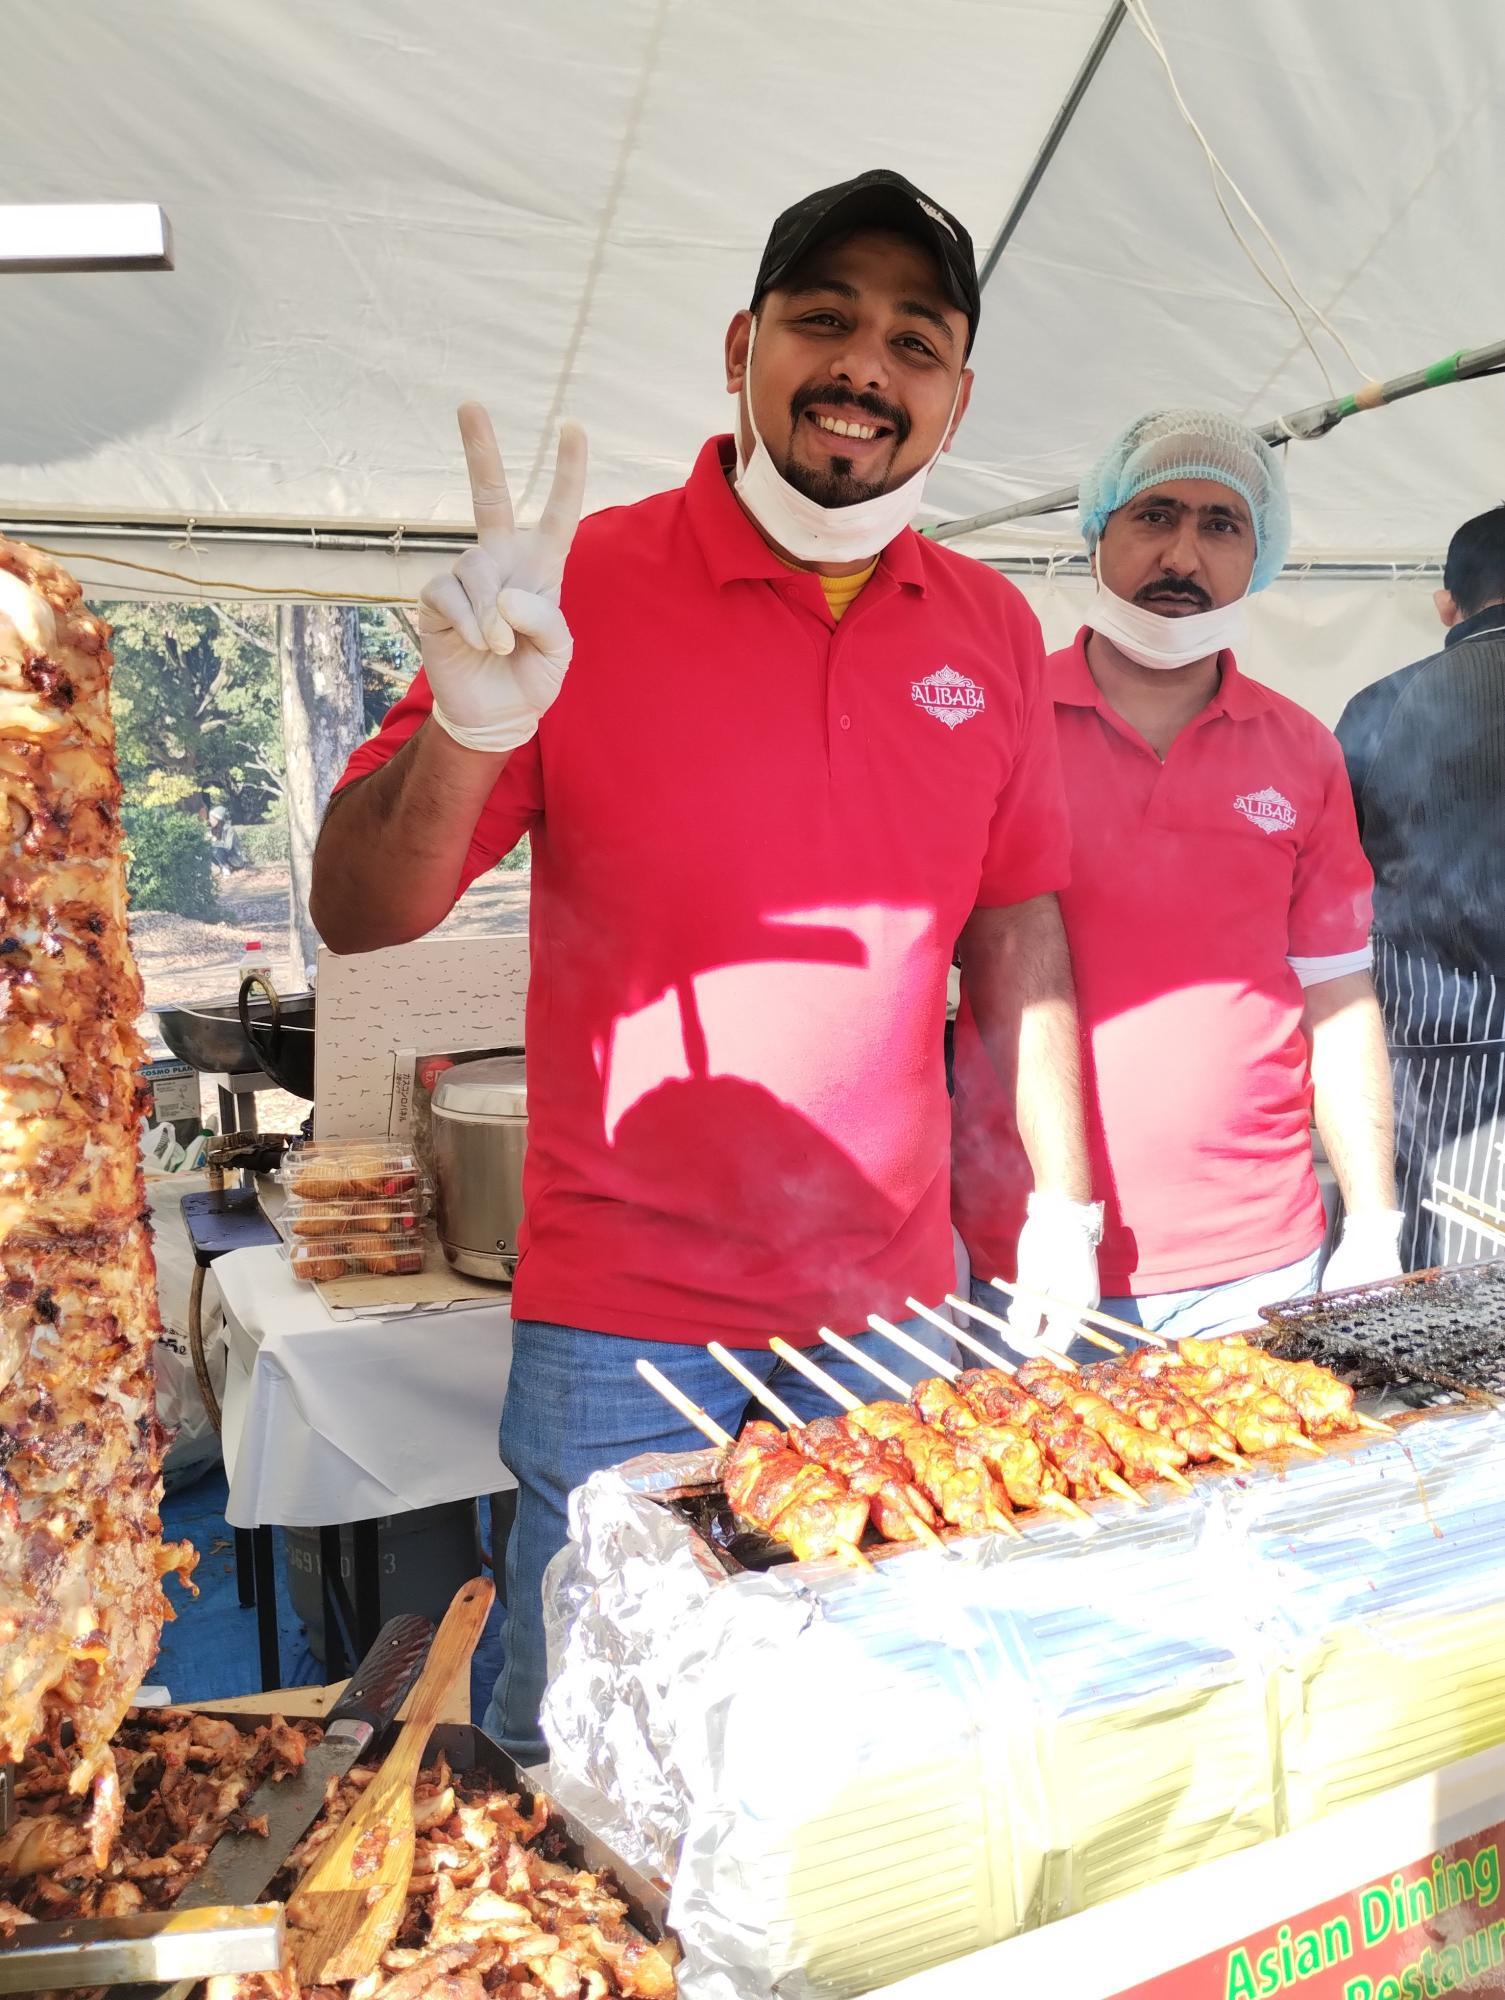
(84, 236)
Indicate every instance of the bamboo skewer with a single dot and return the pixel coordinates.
(776, 1406)
(1002, 1326)
(954, 1332)
(947, 1370)
(895, 1384)
(1458, 1195)
(803, 1365)
(1117, 1484)
(676, 1398)
(1085, 1320)
(964, 1339)
(1449, 1213)
(758, 1390)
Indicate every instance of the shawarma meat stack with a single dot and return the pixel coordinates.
(81, 1551)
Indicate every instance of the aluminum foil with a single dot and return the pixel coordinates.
(850, 1777)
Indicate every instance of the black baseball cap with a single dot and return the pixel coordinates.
(885, 200)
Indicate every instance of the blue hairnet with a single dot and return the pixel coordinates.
(1193, 444)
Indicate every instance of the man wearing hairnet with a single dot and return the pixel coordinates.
(1218, 917)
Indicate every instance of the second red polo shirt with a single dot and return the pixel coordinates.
(756, 836)
(1204, 890)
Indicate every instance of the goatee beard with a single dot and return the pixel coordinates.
(835, 485)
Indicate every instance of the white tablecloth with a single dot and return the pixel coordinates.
(331, 1420)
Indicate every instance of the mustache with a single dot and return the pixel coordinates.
(849, 399)
(1174, 590)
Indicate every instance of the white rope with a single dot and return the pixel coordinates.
(1139, 14)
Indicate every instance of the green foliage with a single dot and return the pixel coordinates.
(520, 857)
(168, 862)
(197, 704)
(267, 845)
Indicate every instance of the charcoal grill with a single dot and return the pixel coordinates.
(1441, 1329)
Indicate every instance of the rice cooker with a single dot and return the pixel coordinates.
(479, 1133)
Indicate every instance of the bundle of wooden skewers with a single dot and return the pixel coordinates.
(966, 1450)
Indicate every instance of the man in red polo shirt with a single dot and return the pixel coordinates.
(1218, 916)
(798, 754)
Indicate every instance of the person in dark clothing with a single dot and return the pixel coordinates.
(1425, 750)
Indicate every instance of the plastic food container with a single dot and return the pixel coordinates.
(353, 1209)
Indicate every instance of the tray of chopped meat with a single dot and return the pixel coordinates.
(509, 1892)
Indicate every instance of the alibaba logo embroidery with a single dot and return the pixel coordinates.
(949, 696)
(1269, 810)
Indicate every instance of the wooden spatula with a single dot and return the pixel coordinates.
(345, 1911)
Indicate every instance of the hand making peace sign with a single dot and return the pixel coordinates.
(494, 641)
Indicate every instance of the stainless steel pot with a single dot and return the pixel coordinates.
(480, 1134)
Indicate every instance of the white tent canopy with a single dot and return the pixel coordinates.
(557, 205)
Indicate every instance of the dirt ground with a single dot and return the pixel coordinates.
(184, 960)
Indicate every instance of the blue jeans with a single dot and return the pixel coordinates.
(1206, 1309)
(575, 1404)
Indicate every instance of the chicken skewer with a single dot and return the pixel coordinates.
(809, 1509)
(960, 1483)
(1158, 1407)
(1144, 1454)
(1323, 1403)
(1260, 1420)
(1021, 1467)
(1083, 1461)
(900, 1511)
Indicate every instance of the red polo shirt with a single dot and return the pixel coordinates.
(1204, 890)
(757, 833)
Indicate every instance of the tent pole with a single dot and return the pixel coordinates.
(1313, 422)
(1069, 107)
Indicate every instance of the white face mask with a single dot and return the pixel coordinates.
(804, 529)
(1154, 641)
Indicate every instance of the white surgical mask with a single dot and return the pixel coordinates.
(801, 526)
(1156, 641)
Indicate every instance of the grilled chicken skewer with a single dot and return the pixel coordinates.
(1323, 1403)
(1081, 1460)
(959, 1482)
(1021, 1467)
(1144, 1455)
(871, 1467)
(1086, 1459)
(1158, 1407)
(778, 1490)
(1259, 1419)
(802, 1505)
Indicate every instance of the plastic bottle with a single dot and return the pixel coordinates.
(253, 958)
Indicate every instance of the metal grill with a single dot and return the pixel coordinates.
(1442, 1328)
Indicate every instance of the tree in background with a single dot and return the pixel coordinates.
(323, 719)
(202, 694)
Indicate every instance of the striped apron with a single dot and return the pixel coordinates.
(1446, 1033)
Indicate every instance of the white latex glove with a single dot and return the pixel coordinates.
(494, 642)
(1056, 1259)
(1368, 1250)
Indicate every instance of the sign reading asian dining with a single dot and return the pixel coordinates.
(1433, 1928)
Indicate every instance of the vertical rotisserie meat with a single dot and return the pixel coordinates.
(81, 1553)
